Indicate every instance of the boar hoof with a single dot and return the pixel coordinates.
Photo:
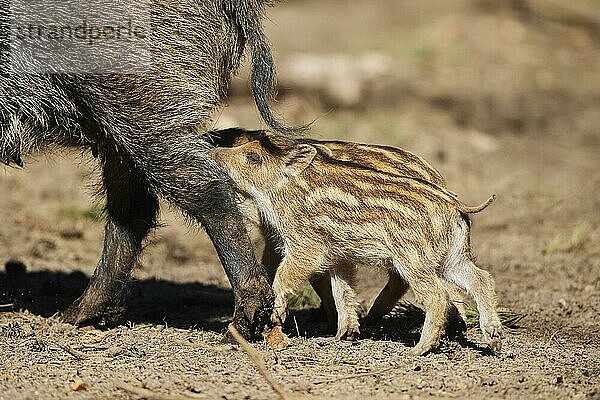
(352, 336)
(80, 313)
(495, 346)
(340, 334)
(279, 310)
(253, 307)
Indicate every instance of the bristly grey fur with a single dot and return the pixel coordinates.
(144, 127)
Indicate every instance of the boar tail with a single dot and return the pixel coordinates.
(247, 15)
(475, 209)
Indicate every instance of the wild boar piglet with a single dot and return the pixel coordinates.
(384, 158)
(330, 214)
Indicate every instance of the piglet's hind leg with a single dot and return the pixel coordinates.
(342, 277)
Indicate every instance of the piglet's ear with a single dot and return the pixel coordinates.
(298, 159)
(324, 149)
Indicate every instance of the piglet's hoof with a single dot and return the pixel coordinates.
(492, 333)
(348, 331)
(419, 350)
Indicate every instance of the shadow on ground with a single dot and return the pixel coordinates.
(402, 325)
(181, 305)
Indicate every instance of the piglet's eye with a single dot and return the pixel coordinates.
(253, 158)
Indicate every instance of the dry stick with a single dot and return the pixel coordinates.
(340, 378)
(203, 346)
(75, 353)
(149, 394)
(258, 361)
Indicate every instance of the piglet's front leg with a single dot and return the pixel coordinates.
(279, 308)
(293, 272)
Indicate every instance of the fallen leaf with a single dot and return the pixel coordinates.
(276, 339)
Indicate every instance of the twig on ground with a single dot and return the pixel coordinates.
(351, 376)
(258, 361)
(200, 345)
(553, 338)
(149, 394)
(75, 353)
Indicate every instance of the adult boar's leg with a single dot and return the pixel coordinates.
(131, 211)
(178, 167)
(224, 225)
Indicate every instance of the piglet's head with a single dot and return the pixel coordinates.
(266, 164)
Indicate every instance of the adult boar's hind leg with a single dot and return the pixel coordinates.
(131, 212)
(178, 166)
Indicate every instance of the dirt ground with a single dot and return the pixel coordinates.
(502, 97)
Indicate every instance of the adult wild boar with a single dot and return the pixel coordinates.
(141, 112)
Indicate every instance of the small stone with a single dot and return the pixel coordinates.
(562, 303)
(78, 385)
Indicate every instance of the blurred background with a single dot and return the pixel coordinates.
(498, 95)
(522, 66)
(475, 67)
